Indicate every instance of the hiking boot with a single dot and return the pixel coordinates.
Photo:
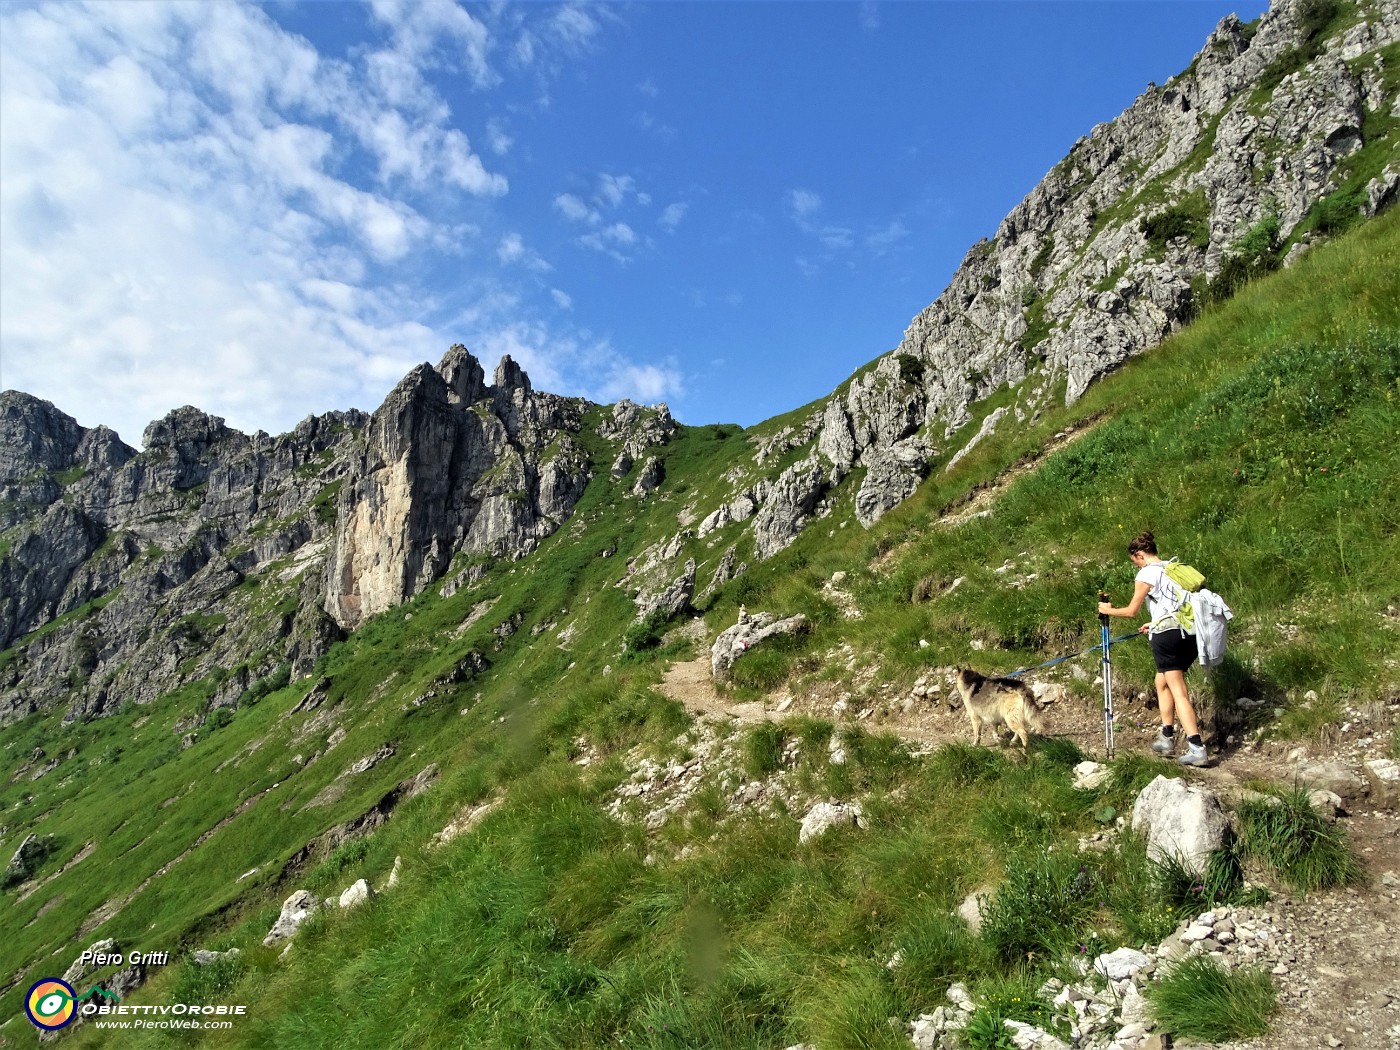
(1164, 745)
(1195, 756)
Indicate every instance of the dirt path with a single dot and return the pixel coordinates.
(922, 720)
(1338, 968)
(1338, 971)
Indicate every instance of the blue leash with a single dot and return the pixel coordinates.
(1106, 672)
(1071, 656)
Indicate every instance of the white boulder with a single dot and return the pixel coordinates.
(826, 815)
(1181, 821)
(296, 909)
(358, 893)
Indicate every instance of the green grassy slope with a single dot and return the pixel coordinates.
(1259, 445)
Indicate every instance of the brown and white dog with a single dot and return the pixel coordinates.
(1004, 701)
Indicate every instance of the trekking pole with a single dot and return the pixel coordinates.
(1107, 666)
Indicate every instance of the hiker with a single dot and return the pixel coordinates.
(1172, 648)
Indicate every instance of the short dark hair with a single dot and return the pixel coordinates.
(1143, 541)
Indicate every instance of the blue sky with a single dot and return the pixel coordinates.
(273, 211)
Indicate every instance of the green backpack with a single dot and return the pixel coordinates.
(1189, 580)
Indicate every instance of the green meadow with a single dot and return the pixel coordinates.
(1258, 444)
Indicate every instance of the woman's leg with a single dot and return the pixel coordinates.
(1165, 704)
(1178, 699)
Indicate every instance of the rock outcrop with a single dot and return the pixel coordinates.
(751, 630)
(131, 561)
(671, 600)
(450, 465)
(296, 909)
(149, 569)
(824, 816)
(31, 853)
(1183, 823)
(1271, 125)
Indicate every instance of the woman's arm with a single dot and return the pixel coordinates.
(1131, 609)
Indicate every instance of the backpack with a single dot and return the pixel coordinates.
(1187, 577)
(1188, 581)
(1199, 611)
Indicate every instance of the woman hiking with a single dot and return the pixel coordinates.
(1172, 648)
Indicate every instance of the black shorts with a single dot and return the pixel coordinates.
(1173, 650)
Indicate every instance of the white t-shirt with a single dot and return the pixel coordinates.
(1162, 597)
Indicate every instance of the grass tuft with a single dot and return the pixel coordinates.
(1290, 838)
(1201, 999)
(763, 750)
(961, 765)
(1191, 891)
(1041, 908)
(1010, 998)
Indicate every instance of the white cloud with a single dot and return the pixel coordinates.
(614, 241)
(672, 215)
(610, 236)
(831, 239)
(646, 384)
(575, 25)
(614, 189)
(621, 233)
(835, 238)
(200, 208)
(648, 88)
(511, 248)
(464, 168)
(574, 209)
(546, 39)
(882, 240)
(803, 203)
(126, 93)
(530, 345)
(497, 138)
(655, 127)
(512, 251)
(557, 360)
(869, 16)
(420, 27)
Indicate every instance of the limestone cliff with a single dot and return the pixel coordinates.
(450, 465)
(1276, 130)
(117, 567)
(232, 561)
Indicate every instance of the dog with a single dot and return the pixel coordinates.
(1004, 701)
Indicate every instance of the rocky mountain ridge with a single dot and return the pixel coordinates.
(218, 558)
(1274, 126)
